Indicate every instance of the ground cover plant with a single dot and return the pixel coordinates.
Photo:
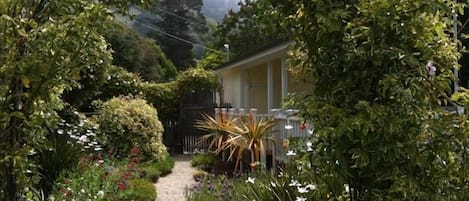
(204, 161)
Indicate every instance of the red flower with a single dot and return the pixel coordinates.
(135, 159)
(126, 176)
(302, 126)
(135, 151)
(121, 186)
(132, 165)
(110, 152)
(99, 157)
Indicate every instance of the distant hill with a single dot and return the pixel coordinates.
(216, 9)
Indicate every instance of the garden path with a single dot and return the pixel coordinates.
(172, 186)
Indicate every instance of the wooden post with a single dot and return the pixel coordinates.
(274, 113)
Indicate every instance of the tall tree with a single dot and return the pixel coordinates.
(176, 25)
(44, 46)
(380, 133)
(140, 55)
(255, 24)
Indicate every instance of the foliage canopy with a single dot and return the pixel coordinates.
(257, 22)
(45, 46)
(139, 55)
(379, 127)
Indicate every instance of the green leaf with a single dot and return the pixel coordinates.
(25, 81)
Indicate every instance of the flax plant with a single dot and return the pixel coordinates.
(248, 134)
(236, 135)
(217, 131)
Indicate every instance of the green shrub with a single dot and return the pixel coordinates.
(203, 161)
(162, 95)
(195, 79)
(165, 165)
(140, 190)
(200, 175)
(152, 170)
(119, 83)
(125, 123)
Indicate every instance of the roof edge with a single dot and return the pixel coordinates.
(271, 48)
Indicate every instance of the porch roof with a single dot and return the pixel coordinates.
(276, 49)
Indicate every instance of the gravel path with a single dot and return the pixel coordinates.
(172, 186)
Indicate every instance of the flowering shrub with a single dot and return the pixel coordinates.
(126, 122)
(101, 177)
(73, 136)
(152, 170)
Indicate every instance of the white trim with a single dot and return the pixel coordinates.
(284, 77)
(261, 57)
(270, 86)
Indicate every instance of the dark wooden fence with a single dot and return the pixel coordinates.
(180, 135)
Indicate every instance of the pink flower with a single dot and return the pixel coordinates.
(135, 151)
(132, 165)
(126, 176)
(121, 186)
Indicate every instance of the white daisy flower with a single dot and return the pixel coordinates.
(311, 187)
(302, 189)
(291, 153)
(250, 180)
(347, 188)
(294, 183)
(300, 199)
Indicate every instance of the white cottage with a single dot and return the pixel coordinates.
(259, 80)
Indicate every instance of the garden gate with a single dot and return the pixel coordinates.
(181, 136)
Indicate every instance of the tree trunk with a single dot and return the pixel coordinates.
(12, 135)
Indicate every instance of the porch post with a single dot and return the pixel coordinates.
(284, 77)
(242, 93)
(270, 86)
